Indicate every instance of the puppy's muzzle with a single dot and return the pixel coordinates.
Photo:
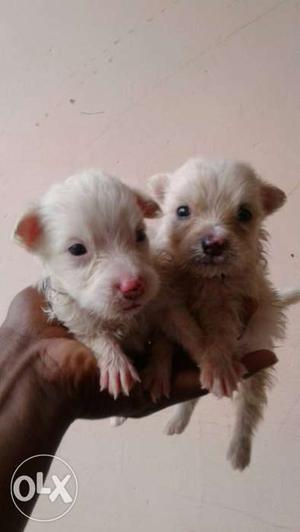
(214, 245)
(132, 288)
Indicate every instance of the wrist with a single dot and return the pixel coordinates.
(33, 419)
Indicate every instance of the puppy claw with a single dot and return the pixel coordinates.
(157, 380)
(217, 388)
(221, 379)
(117, 376)
(114, 386)
(103, 380)
(126, 382)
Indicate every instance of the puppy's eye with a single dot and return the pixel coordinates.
(244, 214)
(77, 249)
(183, 211)
(140, 235)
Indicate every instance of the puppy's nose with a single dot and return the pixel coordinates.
(214, 245)
(132, 287)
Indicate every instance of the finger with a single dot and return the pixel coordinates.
(184, 386)
(146, 381)
(260, 359)
(66, 362)
(26, 315)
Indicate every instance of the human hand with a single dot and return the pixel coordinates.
(48, 379)
(67, 371)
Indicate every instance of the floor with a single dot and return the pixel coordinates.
(136, 87)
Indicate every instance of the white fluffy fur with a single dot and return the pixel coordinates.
(202, 304)
(104, 215)
(218, 291)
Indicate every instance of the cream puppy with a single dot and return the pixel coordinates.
(89, 233)
(212, 233)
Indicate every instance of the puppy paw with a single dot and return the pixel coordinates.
(221, 377)
(175, 425)
(117, 375)
(156, 379)
(117, 421)
(239, 454)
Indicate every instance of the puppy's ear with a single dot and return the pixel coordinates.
(158, 185)
(148, 206)
(29, 231)
(272, 198)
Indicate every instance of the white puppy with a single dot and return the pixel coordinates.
(89, 233)
(212, 233)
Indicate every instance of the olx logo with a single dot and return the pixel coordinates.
(57, 492)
